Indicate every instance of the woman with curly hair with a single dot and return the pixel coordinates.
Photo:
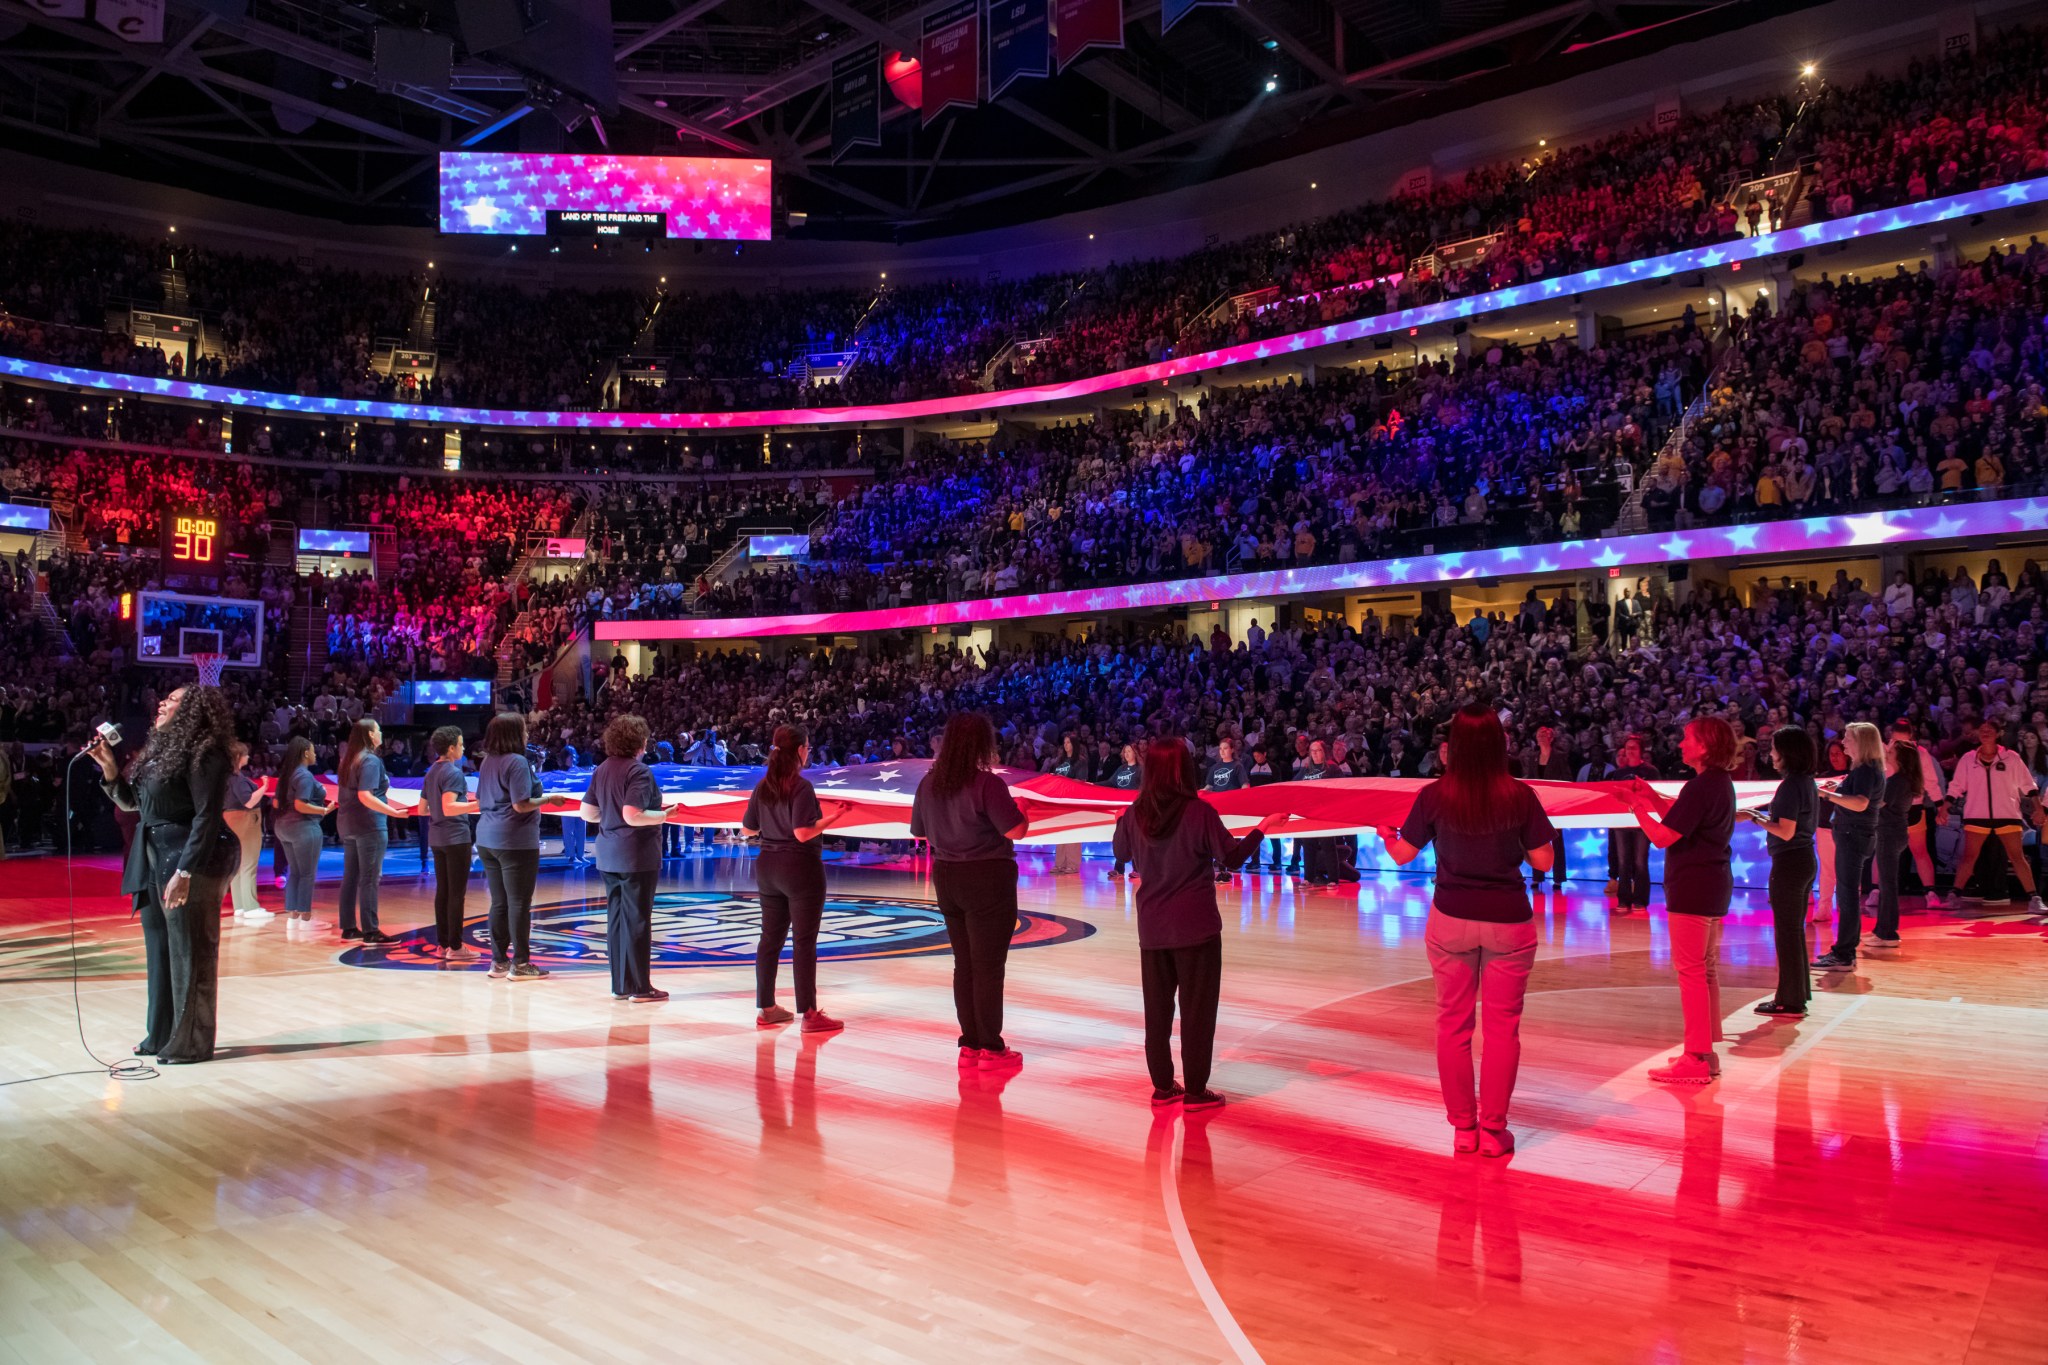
(179, 863)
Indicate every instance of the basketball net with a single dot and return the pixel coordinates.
(209, 666)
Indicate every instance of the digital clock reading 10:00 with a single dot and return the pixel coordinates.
(191, 540)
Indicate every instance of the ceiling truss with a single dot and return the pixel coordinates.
(285, 93)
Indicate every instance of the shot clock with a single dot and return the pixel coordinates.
(193, 543)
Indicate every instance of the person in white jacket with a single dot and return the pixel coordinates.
(1996, 791)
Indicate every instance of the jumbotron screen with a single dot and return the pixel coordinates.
(540, 194)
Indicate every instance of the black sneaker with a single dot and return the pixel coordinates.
(1203, 1099)
(500, 970)
(1170, 1095)
(1831, 962)
(352, 933)
(378, 936)
(1773, 1007)
(526, 971)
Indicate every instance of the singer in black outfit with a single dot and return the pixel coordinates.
(179, 863)
(1178, 844)
(785, 815)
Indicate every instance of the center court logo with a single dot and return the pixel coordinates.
(716, 929)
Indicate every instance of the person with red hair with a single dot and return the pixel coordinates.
(1486, 824)
(1694, 831)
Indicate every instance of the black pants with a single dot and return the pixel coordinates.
(1195, 975)
(1792, 874)
(194, 961)
(451, 885)
(1632, 858)
(1852, 851)
(629, 930)
(1557, 872)
(979, 901)
(510, 873)
(161, 1011)
(792, 906)
(1891, 853)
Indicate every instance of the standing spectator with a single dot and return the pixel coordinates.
(784, 814)
(301, 805)
(1177, 841)
(1072, 762)
(1919, 820)
(1993, 787)
(1226, 774)
(508, 798)
(1631, 847)
(1125, 778)
(624, 803)
(245, 822)
(1694, 831)
(1552, 765)
(1903, 776)
(1788, 832)
(362, 784)
(971, 821)
(1481, 937)
(445, 806)
(1856, 797)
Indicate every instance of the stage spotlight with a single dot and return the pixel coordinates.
(1272, 84)
(1808, 69)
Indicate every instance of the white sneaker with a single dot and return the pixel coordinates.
(2034, 906)
(259, 915)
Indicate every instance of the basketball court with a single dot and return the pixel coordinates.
(392, 1159)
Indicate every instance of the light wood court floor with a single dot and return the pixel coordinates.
(427, 1165)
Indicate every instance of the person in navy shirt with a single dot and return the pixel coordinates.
(624, 803)
(301, 804)
(363, 785)
(445, 806)
(508, 798)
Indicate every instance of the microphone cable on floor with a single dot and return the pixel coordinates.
(127, 1068)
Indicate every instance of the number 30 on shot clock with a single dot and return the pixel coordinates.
(191, 539)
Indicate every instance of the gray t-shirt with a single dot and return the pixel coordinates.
(503, 779)
(299, 785)
(618, 783)
(966, 826)
(444, 778)
(778, 821)
(355, 818)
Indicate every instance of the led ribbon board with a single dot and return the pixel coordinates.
(1900, 525)
(1451, 310)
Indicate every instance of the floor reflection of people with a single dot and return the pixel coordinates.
(981, 1159)
(1478, 1234)
(790, 1141)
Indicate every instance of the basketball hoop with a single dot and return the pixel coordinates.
(209, 666)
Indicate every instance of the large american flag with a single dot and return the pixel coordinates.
(1063, 811)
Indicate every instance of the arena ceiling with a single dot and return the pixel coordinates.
(282, 101)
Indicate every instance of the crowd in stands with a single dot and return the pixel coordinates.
(1945, 652)
(1975, 119)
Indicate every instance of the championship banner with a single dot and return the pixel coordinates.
(1063, 811)
(951, 58)
(1078, 25)
(857, 101)
(1019, 42)
(1172, 12)
(133, 21)
(59, 9)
